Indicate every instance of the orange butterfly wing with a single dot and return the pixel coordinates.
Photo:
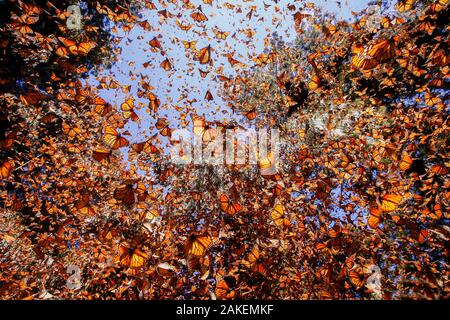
(125, 193)
(390, 202)
(204, 56)
(5, 169)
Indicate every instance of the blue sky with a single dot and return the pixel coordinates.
(184, 80)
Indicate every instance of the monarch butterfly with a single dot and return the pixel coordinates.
(227, 206)
(362, 60)
(197, 245)
(324, 273)
(131, 257)
(223, 78)
(420, 236)
(278, 216)
(431, 100)
(155, 44)
(277, 189)
(69, 182)
(374, 219)
(251, 114)
(406, 162)
(163, 127)
(330, 163)
(61, 96)
(383, 50)
(204, 55)
(197, 196)
(356, 279)
(386, 22)
(289, 102)
(198, 263)
(128, 110)
(8, 141)
(154, 102)
(166, 65)
(223, 287)
(14, 203)
(150, 148)
(190, 44)
(30, 13)
(325, 295)
(82, 96)
(165, 14)
(70, 131)
(254, 262)
(222, 35)
(233, 61)
(146, 65)
(437, 82)
(439, 169)
(314, 84)
(141, 192)
(145, 146)
(114, 139)
(199, 125)
(390, 202)
(438, 6)
(379, 154)
(5, 169)
(349, 262)
(403, 62)
(329, 30)
(418, 72)
(398, 220)
(54, 77)
(209, 96)
(22, 28)
(198, 15)
(108, 232)
(250, 13)
(62, 52)
(404, 5)
(125, 193)
(210, 134)
(335, 231)
(426, 26)
(203, 74)
(149, 215)
(101, 107)
(113, 84)
(166, 270)
(102, 154)
(387, 82)
(83, 205)
(298, 17)
(348, 166)
(262, 59)
(73, 148)
(184, 27)
(32, 97)
(81, 49)
(437, 211)
(321, 246)
(102, 9)
(145, 25)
